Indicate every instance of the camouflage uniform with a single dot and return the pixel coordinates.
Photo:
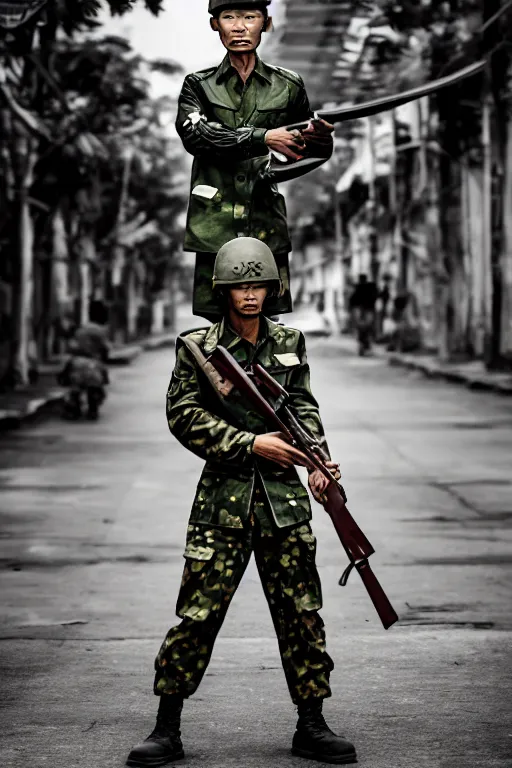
(85, 372)
(243, 504)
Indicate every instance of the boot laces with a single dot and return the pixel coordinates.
(315, 721)
(166, 727)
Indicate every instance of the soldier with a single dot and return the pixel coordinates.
(249, 499)
(86, 373)
(230, 118)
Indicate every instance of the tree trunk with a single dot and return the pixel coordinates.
(25, 147)
(474, 224)
(506, 253)
(60, 275)
(87, 257)
(131, 302)
(486, 228)
(438, 273)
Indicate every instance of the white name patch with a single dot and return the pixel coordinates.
(203, 190)
(288, 358)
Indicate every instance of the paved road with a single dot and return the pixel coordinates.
(92, 527)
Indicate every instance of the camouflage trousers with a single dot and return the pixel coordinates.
(206, 304)
(216, 559)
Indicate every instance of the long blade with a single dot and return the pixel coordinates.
(341, 114)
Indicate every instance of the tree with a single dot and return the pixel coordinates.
(464, 146)
(63, 101)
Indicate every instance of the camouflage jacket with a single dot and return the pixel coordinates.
(82, 372)
(224, 438)
(222, 122)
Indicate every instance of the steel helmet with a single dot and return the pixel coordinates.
(216, 6)
(245, 260)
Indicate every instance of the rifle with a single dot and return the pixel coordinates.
(272, 407)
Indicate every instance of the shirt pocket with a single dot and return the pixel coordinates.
(284, 368)
(273, 113)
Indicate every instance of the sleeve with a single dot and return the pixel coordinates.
(299, 112)
(301, 109)
(201, 136)
(302, 402)
(207, 435)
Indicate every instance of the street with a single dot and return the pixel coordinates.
(93, 524)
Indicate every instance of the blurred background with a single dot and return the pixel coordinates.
(94, 181)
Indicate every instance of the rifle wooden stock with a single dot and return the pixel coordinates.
(353, 540)
(229, 369)
(387, 613)
(351, 536)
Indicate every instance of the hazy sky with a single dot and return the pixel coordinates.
(182, 32)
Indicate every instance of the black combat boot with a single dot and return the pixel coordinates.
(315, 740)
(163, 745)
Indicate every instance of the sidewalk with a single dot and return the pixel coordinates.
(25, 404)
(472, 374)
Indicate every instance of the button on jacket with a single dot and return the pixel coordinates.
(222, 122)
(224, 435)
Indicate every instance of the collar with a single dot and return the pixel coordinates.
(222, 331)
(226, 69)
(230, 338)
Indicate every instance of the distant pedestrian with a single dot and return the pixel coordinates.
(362, 306)
(85, 372)
(383, 300)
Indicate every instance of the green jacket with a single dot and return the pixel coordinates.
(224, 438)
(222, 122)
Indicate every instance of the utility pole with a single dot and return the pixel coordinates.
(396, 244)
(486, 275)
(339, 268)
(372, 201)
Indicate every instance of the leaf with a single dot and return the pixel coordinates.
(84, 145)
(31, 121)
(91, 146)
(165, 66)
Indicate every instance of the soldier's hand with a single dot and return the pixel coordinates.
(334, 469)
(289, 143)
(321, 127)
(318, 482)
(274, 448)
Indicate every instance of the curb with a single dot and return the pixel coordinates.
(125, 355)
(500, 383)
(12, 418)
(159, 342)
(436, 370)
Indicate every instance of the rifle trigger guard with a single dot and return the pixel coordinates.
(346, 573)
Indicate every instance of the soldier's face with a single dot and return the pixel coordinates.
(246, 299)
(240, 31)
